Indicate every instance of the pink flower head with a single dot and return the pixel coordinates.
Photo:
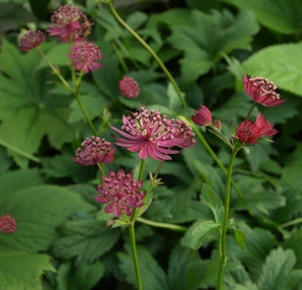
(262, 91)
(95, 150)
(203, 116)
(69, 24)
(265, 127)
(248, 133)
(129, 87)
(31, 39)
(85, 55)
(8, 224)
(152, 134)
(217, 125)
(121, 192)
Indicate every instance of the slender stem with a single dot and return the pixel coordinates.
(141, 169)
(120, 58)
(250, 111)
(135, 257)
(222, 238)
(19, 151)
(99, 165)
(151, 51)
(171, 227)
(291, 223)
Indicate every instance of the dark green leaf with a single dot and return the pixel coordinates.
(240, 237)
(294, 243)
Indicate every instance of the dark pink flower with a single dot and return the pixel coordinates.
(95, 150)
(248, 133)
(31, 39)
(262, 91)
(152, 134)
(121, 192)
(8, 224)
(266, 128)
(217, 125)
(84, 56)
(129, 87)
(203, 116)
(69, 24)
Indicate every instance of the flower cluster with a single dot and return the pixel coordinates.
(69, 24)
(8, 224)
(153, 134)
(129, 87)
(95, 150)
(31, 39)
(121, 192)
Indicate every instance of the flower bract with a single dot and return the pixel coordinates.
(202, 117)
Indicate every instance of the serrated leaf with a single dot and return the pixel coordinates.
(174, 101)
(38, 211)
(286, 74)
(278, 15)
(294, 243)
(136, 19)
(277, 267)
(86, 240)
(5, 161)
(212, 200)
(240, 237)
(203, 232)
(153, 276)
(21, 270)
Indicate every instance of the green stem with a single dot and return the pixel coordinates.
(151, 51)
(19, 151)
(223, 234)
(141, 169)
(171, 227)
(250, 111)
(120, 58)
(99, 165)
(291, 223)
(135, 257)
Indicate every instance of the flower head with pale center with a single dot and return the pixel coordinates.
(84, 56)
(31, 39)
(248, 133)
(262, 91)
(121, 193)
(95, 150)
(152, 134)
(8, 224)
(129, 87)
(69, 24)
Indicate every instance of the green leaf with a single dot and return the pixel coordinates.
(86, 240)
(286, 74)
(20, 270)
(153, 276)
(5, 161)
(262, 201)
(212, 200)
(28, 112)
(278, 15)
(174, 101)
(136, 19)
(203, 232)
(294, 243)
(38, 210)
(277, 267)
(240, 237)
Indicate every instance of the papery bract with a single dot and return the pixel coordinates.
(266, 128)
(84, 56)
(129, 87)
(248, 133)
(202, 117)
(152, 134)
(262, 91)
(8, 224)
(121, 192)
(95, 150)
(31, 39)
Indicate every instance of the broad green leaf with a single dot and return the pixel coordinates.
(247, 286)
(170, 17)
(277, 267)
(262, 201)
(203, 232)
(240, 237)
(294, 243)
(27, 111)
(212, 200)
(5, 161)
(21, 270)
(86, 240)
(136, 19)
(174, 101)
(38, 210)
(153, 276)
(278, 15)
(286, 73)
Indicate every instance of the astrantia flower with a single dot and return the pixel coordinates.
(84, 56)
(8, 224)
(203, 116)
(121, 192)
(95, 150)
(31, 39)
(69, 23)
(248, 133)
(152, 134)
(129, 87)
(262, 91)
(265, 127)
